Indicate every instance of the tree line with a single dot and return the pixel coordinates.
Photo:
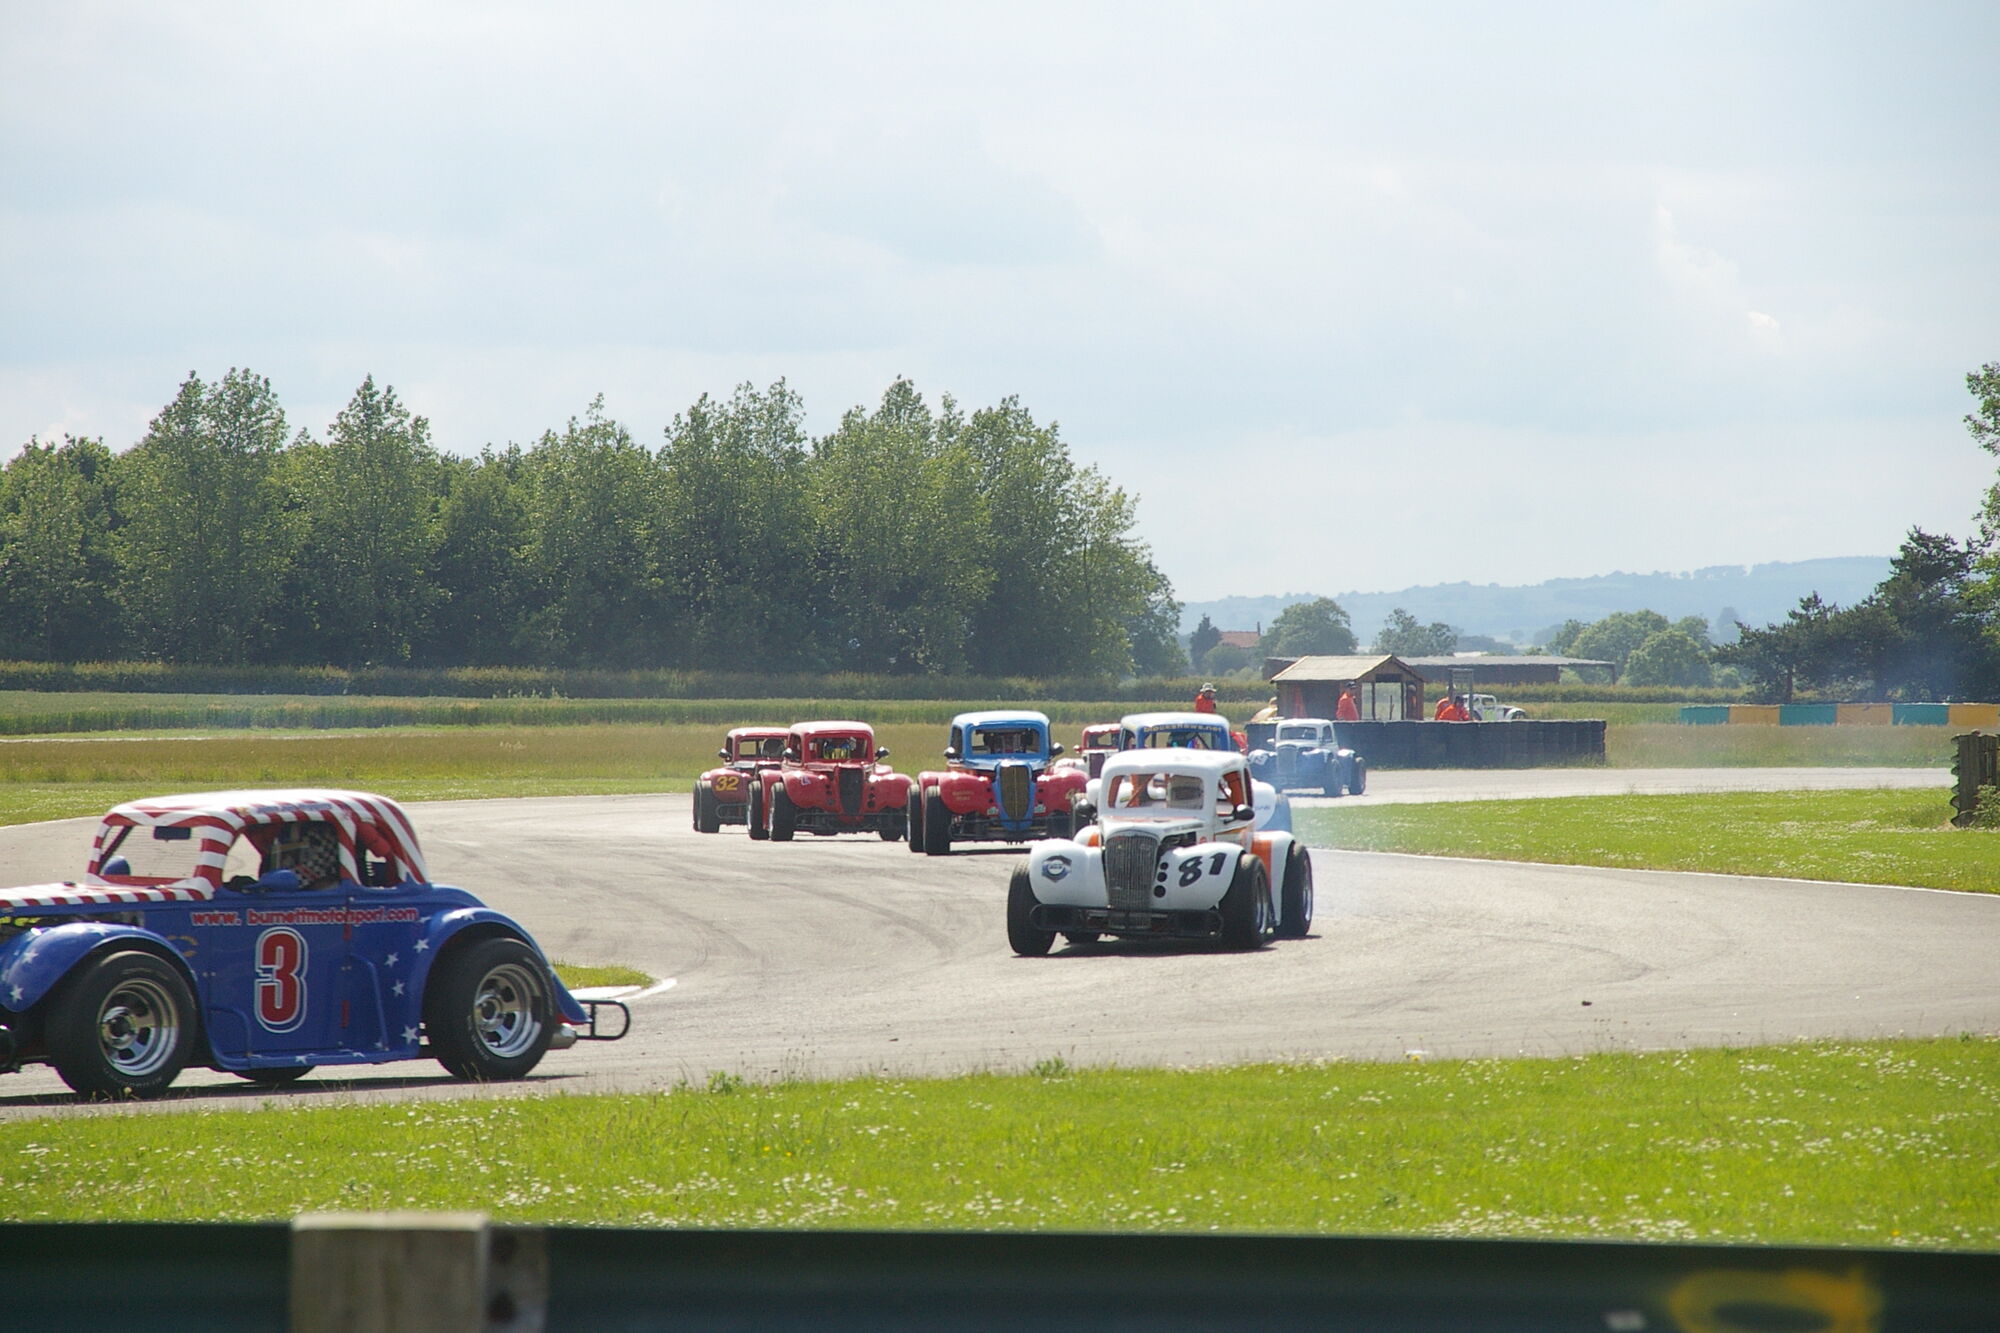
(907, 540)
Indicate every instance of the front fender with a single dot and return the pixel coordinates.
(32, 962)
(447, 926)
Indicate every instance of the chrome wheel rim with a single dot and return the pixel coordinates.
(504, 1010)
(138, 1028)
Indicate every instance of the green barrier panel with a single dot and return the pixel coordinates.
(1806, 715)
(1922, 715)
(1704, 715)
(145, 1276)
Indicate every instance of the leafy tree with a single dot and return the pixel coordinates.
(1205, 637)
(1402, 636)
(1152, 625)
(1316, 627)
(1226, 659)
(57, 569)
(366, 501)
(739, 526)
(479, 570)
(1778, 658)
(1615, 638)
(206, 538)
(593, 557)
(901, 524)
(1984, 424)
(1670, 656)
(1562, 641)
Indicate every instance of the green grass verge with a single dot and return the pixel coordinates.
(1878, 1143)
(1867, 837)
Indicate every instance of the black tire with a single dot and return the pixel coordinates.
(1081, 936)
(937, 825)
(1027, 939)
(278, 1077)
(756, 814)
(706, 818)
(893, 832)
(784, 815)
(1331, 787)
(489, 1010)
(1246, 908)
(913, 821)
(121, 1025)
(1357, 778)
(1296, 896)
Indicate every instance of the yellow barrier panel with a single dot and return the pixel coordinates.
(1984, 716)
(1864, 715)
(1756, 715)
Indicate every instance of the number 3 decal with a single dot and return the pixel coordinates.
(281, 979)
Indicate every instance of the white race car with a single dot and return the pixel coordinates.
(1175, 853)
(1189, 731)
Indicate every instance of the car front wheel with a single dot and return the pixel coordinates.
(1026, 938)
(489, 1010)
(121, 1025)
(1246, 908)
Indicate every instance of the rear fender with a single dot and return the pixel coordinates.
(465, 924)
(32, 962)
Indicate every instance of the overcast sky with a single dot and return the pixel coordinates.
(1355, 296)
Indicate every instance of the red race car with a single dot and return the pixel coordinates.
(722, 795)
(832, 781)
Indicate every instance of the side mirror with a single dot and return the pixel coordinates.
(723, 753)
(1243, 812)
(792, 754)
(951, 752)
(881, 752)
(117, 865)
(1085, 812)
(1055, 749)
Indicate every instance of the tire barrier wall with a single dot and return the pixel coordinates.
(1524, 744)
(1985, 716)
(456, 1273)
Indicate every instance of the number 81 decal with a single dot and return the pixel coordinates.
(1191, 869)
(281, 979)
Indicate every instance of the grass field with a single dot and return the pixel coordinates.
(1867, 837)
(1880, 1143)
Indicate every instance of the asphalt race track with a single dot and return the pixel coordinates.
(846, 955)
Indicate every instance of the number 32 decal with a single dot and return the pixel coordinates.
(1192, 869)
(281, 979)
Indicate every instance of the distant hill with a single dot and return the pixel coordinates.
(1758, 594)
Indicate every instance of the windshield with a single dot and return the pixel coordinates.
(838, 749)
(990, 741)
(167, 855)
(1156, 791)
(1296, 733)
(1100, 738)
(1184, 738)
(760, 747)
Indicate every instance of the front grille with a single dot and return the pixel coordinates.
(1288, 765)
(1015, 797)
(848, 783)
(1131, 860)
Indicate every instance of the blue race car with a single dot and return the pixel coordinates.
(265, 933)
(1303, 752)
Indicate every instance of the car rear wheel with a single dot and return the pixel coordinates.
(1357, 778)
(489, 1010)
(121, 1025)
(937, 825)
(1296, 897)
(1026, 938)
(913, 821)
(784, 815)
(1246, 908)
(756, 814)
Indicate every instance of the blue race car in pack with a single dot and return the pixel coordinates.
(266, 933)
(1303, 752)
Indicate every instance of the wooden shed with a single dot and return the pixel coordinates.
(1386, 689)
